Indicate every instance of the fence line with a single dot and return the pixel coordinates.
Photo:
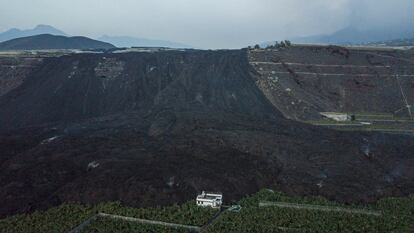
(320, 207)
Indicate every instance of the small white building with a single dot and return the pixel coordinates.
(209, 199)
(336, 116)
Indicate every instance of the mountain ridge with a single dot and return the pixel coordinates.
(352, 35)
(48, 41)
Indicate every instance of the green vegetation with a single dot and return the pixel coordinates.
(66, 217)
(281, 44)
(397, 215)
(378, 116)
(103, 225)
(58, 219)
(188, 213)
(377, 122)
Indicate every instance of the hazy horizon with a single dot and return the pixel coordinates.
(207, 24)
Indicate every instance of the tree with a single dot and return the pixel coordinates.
(257, 46)
(288, 43)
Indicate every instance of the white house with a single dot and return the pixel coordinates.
(209, 199)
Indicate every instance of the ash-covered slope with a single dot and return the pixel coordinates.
(14, 71)
(155, 128)
(82, 86)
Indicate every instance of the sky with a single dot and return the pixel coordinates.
(207, 23)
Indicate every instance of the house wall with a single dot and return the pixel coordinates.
(206, 203)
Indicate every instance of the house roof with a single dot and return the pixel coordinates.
(209, 196)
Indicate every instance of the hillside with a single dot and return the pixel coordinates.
(156, 128)
(14, 70)
(46, 41)
(302, 81)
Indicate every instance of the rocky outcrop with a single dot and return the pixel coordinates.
(14, 70)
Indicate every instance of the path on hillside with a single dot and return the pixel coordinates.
(317, 65)
(336, 124)
(386, 120)
(338, 74)
(153, 222)
(320, 208)
(213, 219)
(407, 104)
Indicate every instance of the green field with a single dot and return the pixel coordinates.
(381, 122)
(397, 215)
(65, 217)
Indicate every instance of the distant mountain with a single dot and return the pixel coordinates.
(47, 41)
(127, 41)
(38, 30)
(351, 35)
(397, 42)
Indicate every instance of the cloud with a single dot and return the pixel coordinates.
(206, 24)
(378, 14)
